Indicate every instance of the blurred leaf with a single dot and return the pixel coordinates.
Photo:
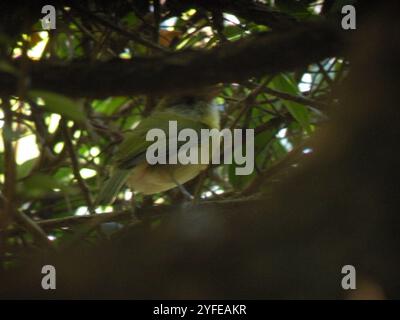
(339, 4)
(68, 46)
(40, 184)
(191, 41)
(130, 21)
(279, 150)
(110, 105)
(299, 112)
(233, 32)
(64, 174)
(25, 168)
(239, 181)
(129, 121)
(60, 104)
(253, 27)
(7, 67)
(61, 47)
(299, 9)
(1, 162)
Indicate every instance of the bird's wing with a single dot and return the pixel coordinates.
(133, 149)
(110, 189)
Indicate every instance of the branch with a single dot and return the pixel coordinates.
(278, 167)
(269, 52)
(9, 166)
(8, 196)
(120, 30)
(299, 99)
(75, 166)
(34, 229)
(252, 11)
(153, 212)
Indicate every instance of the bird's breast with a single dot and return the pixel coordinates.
(151, 179)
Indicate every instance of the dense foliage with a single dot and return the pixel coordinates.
(58, 139)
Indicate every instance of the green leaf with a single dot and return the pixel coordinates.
(60, 104)
(39, 185)
(110, 105)
(130, 21)
(25, 168)
(239, 181)
(279, 150)
(191, 41)
(64, 174)
(298, 111)
(233, 32)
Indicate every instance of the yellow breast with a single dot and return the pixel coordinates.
(150, 179)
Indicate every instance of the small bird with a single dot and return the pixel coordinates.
(191, 110)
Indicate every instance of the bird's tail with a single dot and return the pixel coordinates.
(110, 189)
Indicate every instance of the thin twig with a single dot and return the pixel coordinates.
(276, 168)
(247, 102)
(299, 99)
(75, 166)
(325, 73)
(121, 31)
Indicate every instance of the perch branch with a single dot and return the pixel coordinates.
(264, 53)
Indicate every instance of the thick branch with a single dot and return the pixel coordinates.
(9, 166)
(252, 11)
(265, 53)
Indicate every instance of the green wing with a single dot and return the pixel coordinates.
(110, 189)
(133, 149)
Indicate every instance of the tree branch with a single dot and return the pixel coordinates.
(75, 166)
(269, 52)
(9, 166)
(252, 11)
(298, 99)
(153, 212)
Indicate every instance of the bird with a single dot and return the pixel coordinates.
(194, 110)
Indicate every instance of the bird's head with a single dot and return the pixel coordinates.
(195, 104)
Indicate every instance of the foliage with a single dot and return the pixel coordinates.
(63, 145)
